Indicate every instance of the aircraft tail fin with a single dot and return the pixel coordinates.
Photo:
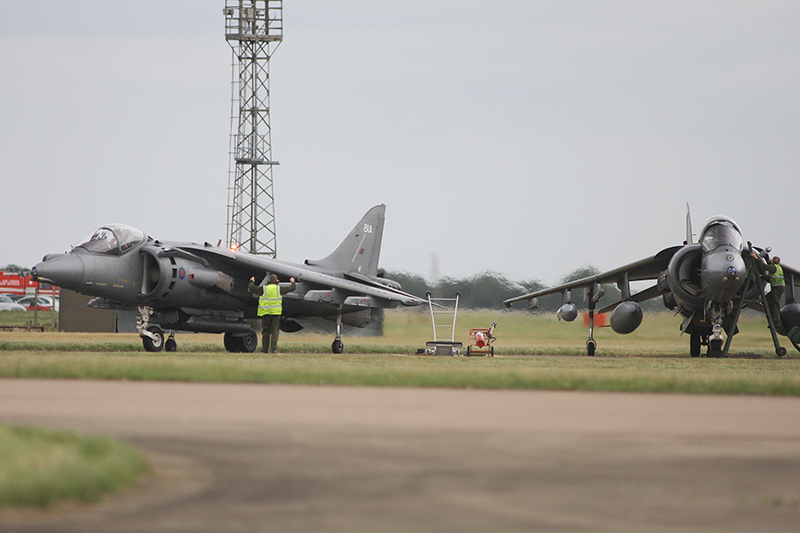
(689, 234)
(360, 251)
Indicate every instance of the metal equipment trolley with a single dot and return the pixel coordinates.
(444, 308)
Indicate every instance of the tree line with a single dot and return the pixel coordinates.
(488, 290)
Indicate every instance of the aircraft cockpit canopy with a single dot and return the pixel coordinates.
(721, 232)
(114, 239)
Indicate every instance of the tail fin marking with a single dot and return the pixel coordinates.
(360, 251)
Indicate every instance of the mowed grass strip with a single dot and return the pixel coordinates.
(406, 330)
(632, 374)
(652, 359)
(39, 467)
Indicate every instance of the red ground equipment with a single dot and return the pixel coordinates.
(480, 341)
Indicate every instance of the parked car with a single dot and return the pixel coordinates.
(7, 304)
(45, 303)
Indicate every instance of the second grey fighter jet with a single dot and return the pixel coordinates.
(203, 288)
(707, 283)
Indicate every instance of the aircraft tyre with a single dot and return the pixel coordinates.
(249, 342)
(337, 346)
(591, 347)
(229, 341)
(237, 343)
(715, 349)
(694, 345)
(171, 345)
(155, 344)
(781, 351)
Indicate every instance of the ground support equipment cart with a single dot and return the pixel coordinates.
(446, 309)
(480, 341)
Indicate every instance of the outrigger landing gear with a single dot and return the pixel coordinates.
(338, 345)
(591, 344)
(594, 293)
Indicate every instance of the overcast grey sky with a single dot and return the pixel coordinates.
(525, 137)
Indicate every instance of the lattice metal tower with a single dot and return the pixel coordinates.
(254, 29)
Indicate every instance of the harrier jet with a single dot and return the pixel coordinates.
(203, 288)
(708, 283)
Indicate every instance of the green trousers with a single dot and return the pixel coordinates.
(270, 328)
(774, 301)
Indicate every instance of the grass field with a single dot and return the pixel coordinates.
(533, 352)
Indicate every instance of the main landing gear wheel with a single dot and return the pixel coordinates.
(154, 343)
(337, 346)
(249, 342)
(695, 342)
(238, 343)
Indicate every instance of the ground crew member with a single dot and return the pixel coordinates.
(777, 285)
(270, 307)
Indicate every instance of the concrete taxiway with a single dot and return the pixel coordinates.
(305, 458)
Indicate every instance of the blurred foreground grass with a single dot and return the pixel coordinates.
(39, 467)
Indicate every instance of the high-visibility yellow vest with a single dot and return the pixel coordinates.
(777, 277)
(271, 301)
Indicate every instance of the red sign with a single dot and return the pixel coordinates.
(12, 283)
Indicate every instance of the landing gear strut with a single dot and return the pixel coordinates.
(594, 293)
(338, 346)
(591, 344)
(715, 339)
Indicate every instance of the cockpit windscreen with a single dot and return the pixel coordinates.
(719, 234)
(113, 239)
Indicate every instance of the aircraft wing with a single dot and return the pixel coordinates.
(649, 268)
(794, 273)
(244, 265)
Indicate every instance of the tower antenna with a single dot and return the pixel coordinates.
(254, 29)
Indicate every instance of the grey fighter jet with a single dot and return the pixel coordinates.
(203, 288)
(708, 283)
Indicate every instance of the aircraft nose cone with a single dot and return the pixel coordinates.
(723, 275)
(63, 270)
